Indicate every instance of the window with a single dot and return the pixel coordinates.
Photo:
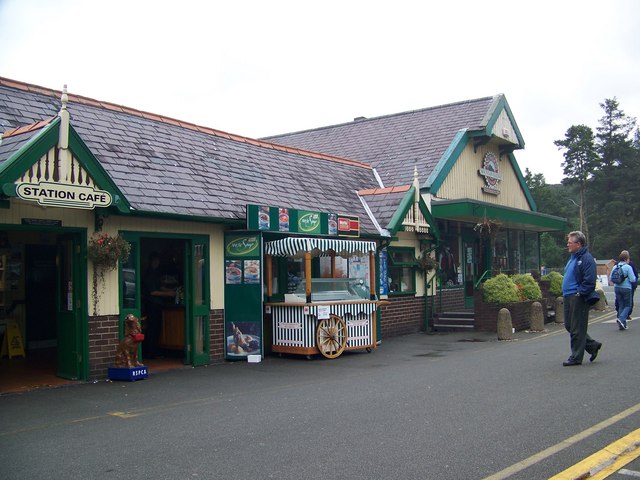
(402, 270)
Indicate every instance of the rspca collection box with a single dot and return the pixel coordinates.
(129, 374)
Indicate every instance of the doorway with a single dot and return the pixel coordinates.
(165, 282)
(41, 292)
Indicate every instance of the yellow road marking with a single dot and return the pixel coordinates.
(548, 452)
(605, 462)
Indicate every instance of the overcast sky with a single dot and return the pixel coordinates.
(262, 67)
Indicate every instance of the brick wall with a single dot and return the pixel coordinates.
(402, 316)
(103, 342)
(104, 339)
(449, 300)
(216, 336)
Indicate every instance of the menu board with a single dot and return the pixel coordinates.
(242, 295)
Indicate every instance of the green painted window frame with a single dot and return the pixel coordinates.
(396, 265)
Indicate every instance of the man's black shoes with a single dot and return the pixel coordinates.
(594, 354)
(570, 363)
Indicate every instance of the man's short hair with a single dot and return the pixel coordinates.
(579, 237)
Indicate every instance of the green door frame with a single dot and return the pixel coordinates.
(70, 309)
(196, 316)
(77, 358)
(469, 263)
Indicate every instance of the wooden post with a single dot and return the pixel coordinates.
(372, 276)
(307, 273)
(269, 269)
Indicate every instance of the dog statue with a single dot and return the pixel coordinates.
(127, 352)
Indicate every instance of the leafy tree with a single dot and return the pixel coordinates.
(554, 200)
(580, 160)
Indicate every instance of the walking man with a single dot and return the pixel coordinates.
(578, 288)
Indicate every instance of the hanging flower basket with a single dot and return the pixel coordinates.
(426, 262)
(104, 251)
(487, 228)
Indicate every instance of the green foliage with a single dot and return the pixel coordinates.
(528, 288)
(601, 172)
(500, 289)
(555, 283)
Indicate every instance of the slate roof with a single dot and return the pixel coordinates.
(170, 167)
(384, 202)
(393, 144)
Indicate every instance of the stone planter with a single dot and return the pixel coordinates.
(486, 314)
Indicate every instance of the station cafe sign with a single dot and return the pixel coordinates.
(279, 219)
(64, 195)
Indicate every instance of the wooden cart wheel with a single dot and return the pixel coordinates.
(331, 336)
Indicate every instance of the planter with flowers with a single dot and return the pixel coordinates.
(104, 251)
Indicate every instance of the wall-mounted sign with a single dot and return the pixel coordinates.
(279, 219)
(63, 195)
(243, 246)
(491, 172)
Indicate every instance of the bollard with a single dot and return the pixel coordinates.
(537, 317)
(559, 310)
(601, 304)
(505, 327)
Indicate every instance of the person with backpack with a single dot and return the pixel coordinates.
(578, 290)
(634, 285)
(623, 278)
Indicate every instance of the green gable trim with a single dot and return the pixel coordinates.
(27, 155)
(472, 211)
(31, 152)
(395, 224)
(447, 161)
(503, 105)
(523, 183)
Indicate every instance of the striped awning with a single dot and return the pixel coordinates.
(297, 246)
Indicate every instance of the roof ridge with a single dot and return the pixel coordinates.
(7, 82)
(27, 128)
(379, 117)
(385, 190)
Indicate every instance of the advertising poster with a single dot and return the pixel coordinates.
(384, 275)
(243, 295)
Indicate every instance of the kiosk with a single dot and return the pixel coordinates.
(323, 315)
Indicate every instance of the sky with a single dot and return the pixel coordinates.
(264, 67)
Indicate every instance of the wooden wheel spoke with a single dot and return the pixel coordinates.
(331, 337)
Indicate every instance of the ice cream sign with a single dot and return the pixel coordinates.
(491, 173)
(243, 246)
(64, 195)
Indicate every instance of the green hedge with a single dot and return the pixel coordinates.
(517, 288)
(555, 283)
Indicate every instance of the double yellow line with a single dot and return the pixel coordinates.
(605, 462)
(619, 453)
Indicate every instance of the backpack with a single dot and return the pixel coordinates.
(617, 275)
